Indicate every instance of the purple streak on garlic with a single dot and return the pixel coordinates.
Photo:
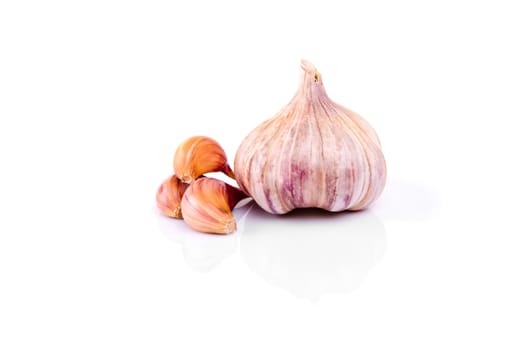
(313, 153)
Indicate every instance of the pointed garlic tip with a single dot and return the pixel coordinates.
(199, 155)
(169, 196)
(229, 172)
(309, 68)
(207, 206)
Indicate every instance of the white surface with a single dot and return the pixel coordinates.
(95, 96)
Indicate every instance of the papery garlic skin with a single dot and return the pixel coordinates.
(199, 155)
(207, 205)
(313, 153)
(169, 196)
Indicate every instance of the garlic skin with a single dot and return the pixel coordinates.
(199, 155)
(208, 203)
(169, 196)
(312, 153)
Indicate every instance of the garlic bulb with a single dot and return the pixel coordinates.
(313, 153)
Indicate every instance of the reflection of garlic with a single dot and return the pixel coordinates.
(208, 203)
(169, 195)
(311, 252)
(204, 252)
(199, 155)
(313, 153)
(201, 252)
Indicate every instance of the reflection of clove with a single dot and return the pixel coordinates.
(311, 252)
(203, 252)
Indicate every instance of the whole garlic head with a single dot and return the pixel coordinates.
(313, 153)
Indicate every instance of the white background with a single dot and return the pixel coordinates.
(96, 95)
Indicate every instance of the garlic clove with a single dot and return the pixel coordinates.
(199, 155)
(312, 153)
(208, 203)
(169, 196)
